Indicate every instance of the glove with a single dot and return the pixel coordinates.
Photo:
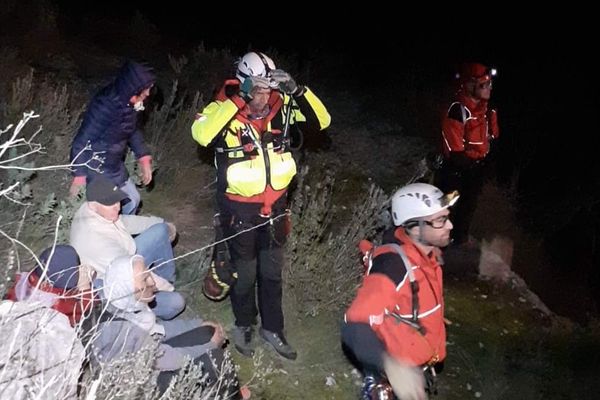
(76, 185)
(250, 84)
(407, 381)
(287, 84)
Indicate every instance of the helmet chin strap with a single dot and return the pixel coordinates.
(420, 239)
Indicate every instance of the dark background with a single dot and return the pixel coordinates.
(545, 91)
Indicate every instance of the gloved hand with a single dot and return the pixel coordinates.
(287, 84)
(76, 185)
(407, 381)
(250, 84)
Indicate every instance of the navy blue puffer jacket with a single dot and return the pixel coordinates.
(110, 125)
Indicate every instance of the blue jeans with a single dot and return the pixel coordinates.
(167, 305)
(131, 206)
(153, 244)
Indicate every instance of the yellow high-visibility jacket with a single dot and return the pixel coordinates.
(251, 154)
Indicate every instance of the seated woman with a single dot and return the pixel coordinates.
(58, 281)
(128, 323)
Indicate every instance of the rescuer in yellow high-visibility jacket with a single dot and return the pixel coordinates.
(248, 127)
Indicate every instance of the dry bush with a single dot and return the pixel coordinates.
(21, 97)
(204, 70)
(325, 266)
(40, 353)
(61, 118)
(168, 129)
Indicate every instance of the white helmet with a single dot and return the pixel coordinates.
(419, 200)
(254, 64)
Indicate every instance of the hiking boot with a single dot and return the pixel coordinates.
(281, 346)
(374, 389)
(242, 340)
(368, 386)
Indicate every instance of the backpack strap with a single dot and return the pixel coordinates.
(414, 285)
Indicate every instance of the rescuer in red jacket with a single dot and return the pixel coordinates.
(468, 128)
(395, 325)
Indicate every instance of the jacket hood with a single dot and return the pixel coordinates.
(133, 78)
(119, 288)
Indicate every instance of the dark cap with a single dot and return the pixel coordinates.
(104, 192)
(62, 266)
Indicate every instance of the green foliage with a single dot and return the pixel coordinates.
(50, 208)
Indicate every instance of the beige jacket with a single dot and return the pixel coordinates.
(99, 241)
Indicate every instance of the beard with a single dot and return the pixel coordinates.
(139, 106)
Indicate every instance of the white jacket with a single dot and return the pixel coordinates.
(99, 241)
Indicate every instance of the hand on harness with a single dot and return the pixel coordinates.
(250, 84)
(286, 83)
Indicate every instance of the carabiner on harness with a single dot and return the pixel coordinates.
(408, 321)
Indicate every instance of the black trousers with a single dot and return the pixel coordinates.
(362, 346)
(365, 350)
(469, 183)
(257, 255)
(212, 362)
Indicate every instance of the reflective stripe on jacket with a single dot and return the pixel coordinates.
(468, 127)
(251, 154)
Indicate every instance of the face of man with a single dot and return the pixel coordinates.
(110, 213)
(260, 99)
(143, 284)
(479, 90)
(436, 229)
(483, 90)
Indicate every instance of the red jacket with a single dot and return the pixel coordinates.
(386, 289)
(468, 127)
(72, 303)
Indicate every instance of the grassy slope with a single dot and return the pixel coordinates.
(499, 347)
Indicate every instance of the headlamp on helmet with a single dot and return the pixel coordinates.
(418, 200)
(475, 72)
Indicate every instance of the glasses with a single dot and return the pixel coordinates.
(485, 85)
(439, 222)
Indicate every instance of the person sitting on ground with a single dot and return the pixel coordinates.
(127, 324)
(395, 325)
(40, 352)
(58, 281)
(100, 234)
